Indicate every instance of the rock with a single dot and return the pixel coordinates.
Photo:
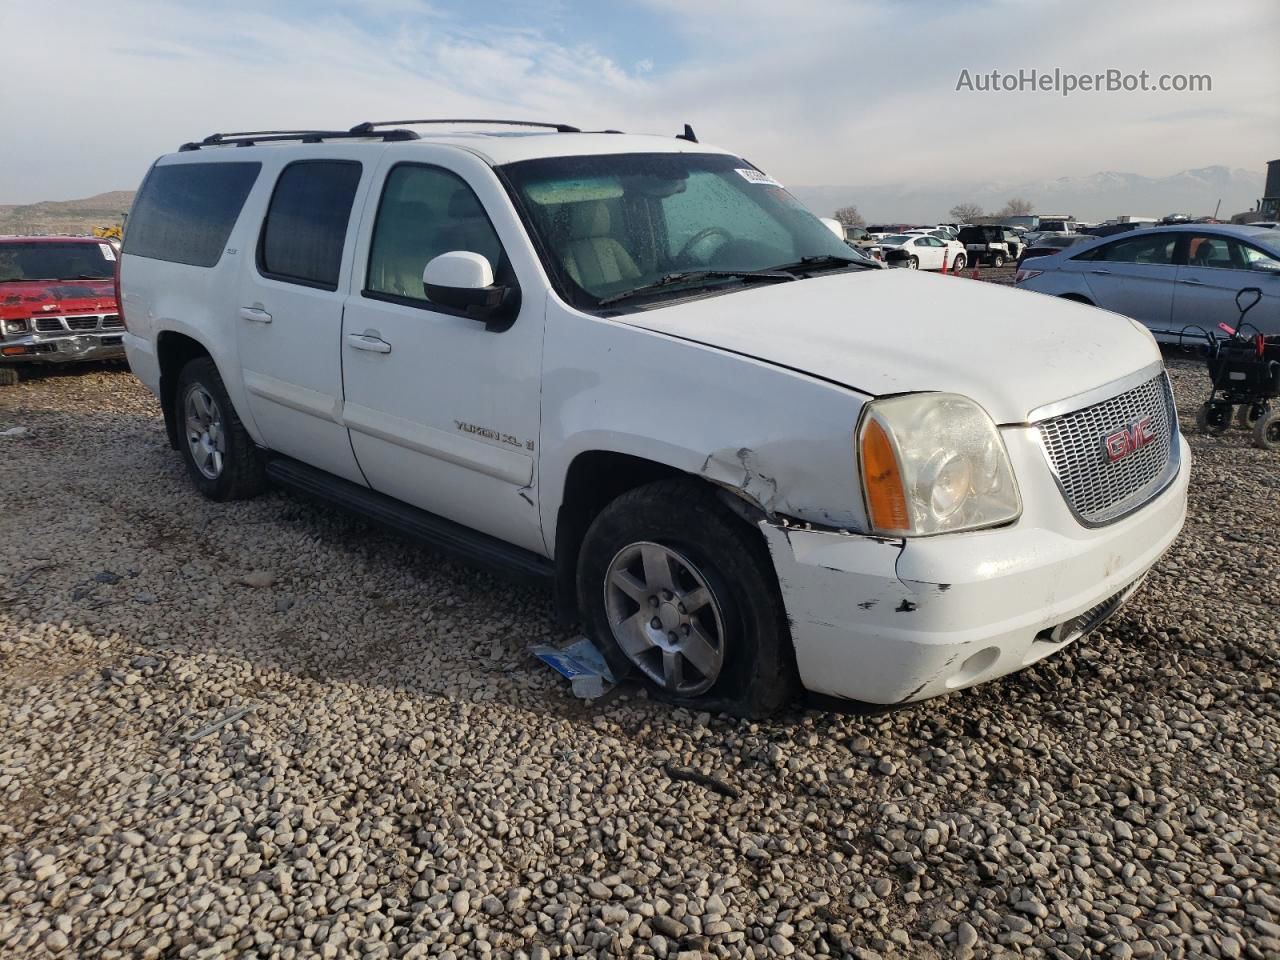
(258, 579)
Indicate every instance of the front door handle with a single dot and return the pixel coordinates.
(1101, 273)
(254, 315)
(361, 341)
(1193, 282)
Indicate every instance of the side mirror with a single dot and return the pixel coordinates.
(462, 280)
(1266, 266)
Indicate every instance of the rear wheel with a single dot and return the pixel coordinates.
(1249, 414)
(913, 263)
(1266, 432)
(679, 593)
(1214, 417)
(960, 262)
(220, 455)
(8, 376)
(998, 260)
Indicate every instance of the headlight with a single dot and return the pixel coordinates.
(15, 326)
(933, 463)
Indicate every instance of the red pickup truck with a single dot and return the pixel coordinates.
(57, 302)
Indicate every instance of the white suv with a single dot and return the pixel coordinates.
(637, 369)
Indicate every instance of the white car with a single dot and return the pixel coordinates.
(923, 251)
(635, 370)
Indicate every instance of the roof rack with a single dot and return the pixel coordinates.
(367, 127)
(249, 138)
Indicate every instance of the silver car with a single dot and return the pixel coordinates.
(1175, 280)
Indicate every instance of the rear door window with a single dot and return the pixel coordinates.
(184, 212)
(306, 223)
(1152, 249)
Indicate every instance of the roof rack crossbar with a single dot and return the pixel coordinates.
(250, 139)
(558, 127)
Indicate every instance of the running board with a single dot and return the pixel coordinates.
(451, 538)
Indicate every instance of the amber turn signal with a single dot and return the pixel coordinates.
(886, 499)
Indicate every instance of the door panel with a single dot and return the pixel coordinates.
(1217, 269)
(1135, 276)
(289, 318)
(447, 418)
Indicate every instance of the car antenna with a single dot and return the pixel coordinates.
(688, 134)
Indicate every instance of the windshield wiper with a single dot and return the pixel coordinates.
(696, 276)
(821, 261)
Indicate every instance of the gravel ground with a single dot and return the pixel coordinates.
(394, 776)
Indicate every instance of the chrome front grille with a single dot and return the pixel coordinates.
(1100, 489)
(80, 324)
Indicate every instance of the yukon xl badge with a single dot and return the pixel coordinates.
(1129, 439)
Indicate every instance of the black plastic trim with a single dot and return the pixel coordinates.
(433, 531)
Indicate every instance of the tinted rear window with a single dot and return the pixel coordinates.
(185, 211)
(306, 224)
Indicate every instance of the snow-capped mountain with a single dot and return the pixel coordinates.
(1096, 196)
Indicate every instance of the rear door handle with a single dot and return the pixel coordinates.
(254, 315)
(1193, 282)
(360, 341)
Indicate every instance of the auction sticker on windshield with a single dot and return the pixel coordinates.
(755, 176)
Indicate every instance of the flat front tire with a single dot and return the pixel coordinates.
(679, 593)
(220, 455)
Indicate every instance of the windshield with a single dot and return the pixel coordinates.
(611, 224)
(898, 239)
(56, 261)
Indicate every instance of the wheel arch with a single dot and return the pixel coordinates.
(1077, 298)
(594, 479)
(173, 352)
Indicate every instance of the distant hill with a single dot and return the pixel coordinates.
(65, 216)
(1095, 196)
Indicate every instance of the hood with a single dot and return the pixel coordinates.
(901, 331)
(26, 298)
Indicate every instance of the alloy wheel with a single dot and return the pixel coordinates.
(665, 617)
(205, 435)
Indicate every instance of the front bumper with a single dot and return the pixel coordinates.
(62, 348)
(893, 621)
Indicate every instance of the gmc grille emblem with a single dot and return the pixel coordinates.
(1129, 439)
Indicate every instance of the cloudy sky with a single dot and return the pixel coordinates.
(814, 91)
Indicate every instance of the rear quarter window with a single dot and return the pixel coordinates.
(185, 211)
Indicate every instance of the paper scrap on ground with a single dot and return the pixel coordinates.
(583, 664)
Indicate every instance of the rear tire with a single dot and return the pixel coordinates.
(959, 264)
(998, 260)
(913, 263)
(1266, 432)
(220, 455)
(9, 377)
(1214, 418)
(1249, 414)
(680, 593)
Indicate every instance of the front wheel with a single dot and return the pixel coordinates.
(960, 263)
(680, 593)
(220, 455)
(1266, 432)
(1214, 417)
(998, 260)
